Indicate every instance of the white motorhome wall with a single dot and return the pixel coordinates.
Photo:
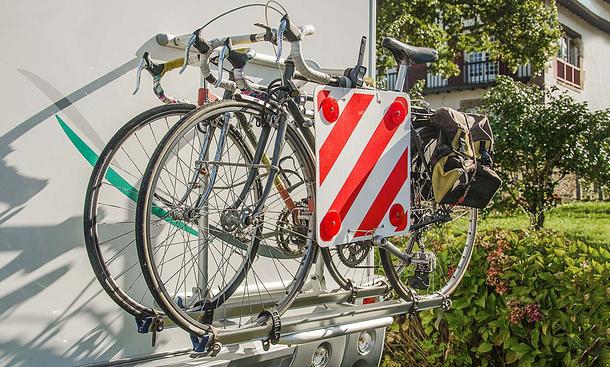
(76, 59)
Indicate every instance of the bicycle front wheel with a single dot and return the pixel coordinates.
(208, 257)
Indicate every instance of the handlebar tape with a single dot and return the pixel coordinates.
(171, 65)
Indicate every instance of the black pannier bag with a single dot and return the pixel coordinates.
(462, 167)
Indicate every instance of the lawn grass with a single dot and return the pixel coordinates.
(586, 221)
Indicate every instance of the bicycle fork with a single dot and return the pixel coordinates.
(213, 172)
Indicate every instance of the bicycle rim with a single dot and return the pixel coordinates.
(445, 247)
(110, 203)
(262, 261)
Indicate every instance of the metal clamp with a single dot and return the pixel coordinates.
(206, 345)
(387, 293)
(446, 303)
(414, 303)
(353, 293)
(276, 327)
(157, 327)
(143, 324)
(148, 324)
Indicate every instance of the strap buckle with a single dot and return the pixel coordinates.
(276, 327)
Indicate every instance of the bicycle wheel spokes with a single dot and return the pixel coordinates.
(110, 204)
(440, 247)
(205, 246)
(352, 265)
(194, 255)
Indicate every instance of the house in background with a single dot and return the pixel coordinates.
(580, 66)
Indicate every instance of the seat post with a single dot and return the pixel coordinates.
(401, 78)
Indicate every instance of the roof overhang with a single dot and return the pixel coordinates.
(587, 14)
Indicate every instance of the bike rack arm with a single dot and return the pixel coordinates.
(293, 327)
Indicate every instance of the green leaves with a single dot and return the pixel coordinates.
(516, 31)
(520, 349)
(540, 136)
(573, 304)
(484, 347)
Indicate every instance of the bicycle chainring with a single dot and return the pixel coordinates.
(353, 254)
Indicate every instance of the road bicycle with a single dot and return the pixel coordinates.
(212, 199)
(113, 188)
(114, 184)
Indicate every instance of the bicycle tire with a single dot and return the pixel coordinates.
(393, 267)
(97, 258)
(163, 297)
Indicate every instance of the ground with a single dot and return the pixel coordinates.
(587, 221)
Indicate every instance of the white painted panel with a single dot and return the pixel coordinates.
(76, 59)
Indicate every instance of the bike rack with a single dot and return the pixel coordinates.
(323, 324)
(334, 313)
(331, 317)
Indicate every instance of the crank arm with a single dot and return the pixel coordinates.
(381, 242)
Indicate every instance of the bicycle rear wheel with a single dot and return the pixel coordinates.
(109, 212)
(438, 253)
(261, 263)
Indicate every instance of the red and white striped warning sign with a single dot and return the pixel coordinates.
(362, 156)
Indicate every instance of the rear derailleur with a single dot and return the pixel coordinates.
(291, 229)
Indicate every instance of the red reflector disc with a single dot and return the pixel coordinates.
(330, 109)
(330, 225)
(397, 114)
(397, 215)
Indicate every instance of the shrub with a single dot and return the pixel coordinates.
(529, 298)
(541, 136)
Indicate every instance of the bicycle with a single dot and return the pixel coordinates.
(242, 211)
(113, 188)
(111, 194)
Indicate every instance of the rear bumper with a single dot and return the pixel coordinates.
(343, 347)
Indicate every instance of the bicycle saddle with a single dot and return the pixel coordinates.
(408, 54)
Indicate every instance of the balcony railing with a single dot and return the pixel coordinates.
(435, 80)
(474, 74)
(480, 72)
(568, 73)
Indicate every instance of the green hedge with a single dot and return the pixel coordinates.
(529, 299)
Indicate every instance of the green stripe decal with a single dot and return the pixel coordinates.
(131, 192)
(116, 180)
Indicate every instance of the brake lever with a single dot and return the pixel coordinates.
(187, 51)
(141, 66)
(269, 34)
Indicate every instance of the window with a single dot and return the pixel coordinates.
(569, 50)
(479, 68)
(470, 105)
(568, 60)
